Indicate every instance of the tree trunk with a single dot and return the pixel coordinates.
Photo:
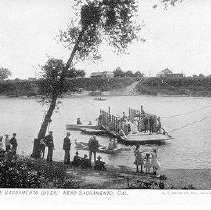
(36, 147)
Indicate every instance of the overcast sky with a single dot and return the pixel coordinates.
(178, 38)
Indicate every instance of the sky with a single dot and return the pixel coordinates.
(178, 38)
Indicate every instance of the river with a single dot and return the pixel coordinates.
(190, 148)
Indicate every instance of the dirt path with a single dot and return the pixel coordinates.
(127, 91)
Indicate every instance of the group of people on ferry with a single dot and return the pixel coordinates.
(142, 122)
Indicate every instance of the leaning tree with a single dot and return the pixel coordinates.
(96, 22)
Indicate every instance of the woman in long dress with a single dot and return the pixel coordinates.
(154, 161)
(139, 160)
(147, 164)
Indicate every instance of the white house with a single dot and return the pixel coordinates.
(168, 73)
(105, 74)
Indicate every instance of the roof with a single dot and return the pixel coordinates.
(94, 74)
(166, 71)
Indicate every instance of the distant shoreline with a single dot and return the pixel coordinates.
(83, 87)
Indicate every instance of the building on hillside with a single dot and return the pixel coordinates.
(105, 74)
(169, 74)
(97, 75)
(108, 74)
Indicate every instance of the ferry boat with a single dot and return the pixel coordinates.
(118, 128)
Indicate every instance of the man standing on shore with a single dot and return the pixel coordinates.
(93, 148)
(66, 148)
(49, 143)
(13, 142)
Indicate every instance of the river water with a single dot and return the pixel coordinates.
(190, 148)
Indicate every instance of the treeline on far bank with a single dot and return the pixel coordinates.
(16, 88)
(187, 86)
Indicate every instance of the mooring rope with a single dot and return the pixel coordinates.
(186, 113)
(188, 124)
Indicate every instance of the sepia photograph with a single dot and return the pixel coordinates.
(110, 96)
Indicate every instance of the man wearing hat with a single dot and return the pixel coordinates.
(66, 148)
(93, 148)
(50, 144)
(13, 142)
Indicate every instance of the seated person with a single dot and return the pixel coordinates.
(85, 162)
(76, 160)
(114, 143)
(79, 121)
(99, 165)
(110, 145)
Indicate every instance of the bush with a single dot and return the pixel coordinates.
(29, 173)
(176, 86)
(15, 174)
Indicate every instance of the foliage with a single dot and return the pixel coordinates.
(99, 84)
(118, 72)
(29, 173)
(14, 174)
(149, 185)
(101, 20)
(75, 73)
(191, 86)
(35, 88)
(129, 74)
(5, 73)
(138, 74)
(17, 88)
(51, 74)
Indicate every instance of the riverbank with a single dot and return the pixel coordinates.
(25, 172)
(80, 86)
(185, 86)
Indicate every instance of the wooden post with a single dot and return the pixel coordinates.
(116, 124)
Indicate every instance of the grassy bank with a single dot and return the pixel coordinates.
(29, 173)
(186, 86)
(18, 88)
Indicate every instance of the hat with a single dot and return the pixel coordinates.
(99, 157)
